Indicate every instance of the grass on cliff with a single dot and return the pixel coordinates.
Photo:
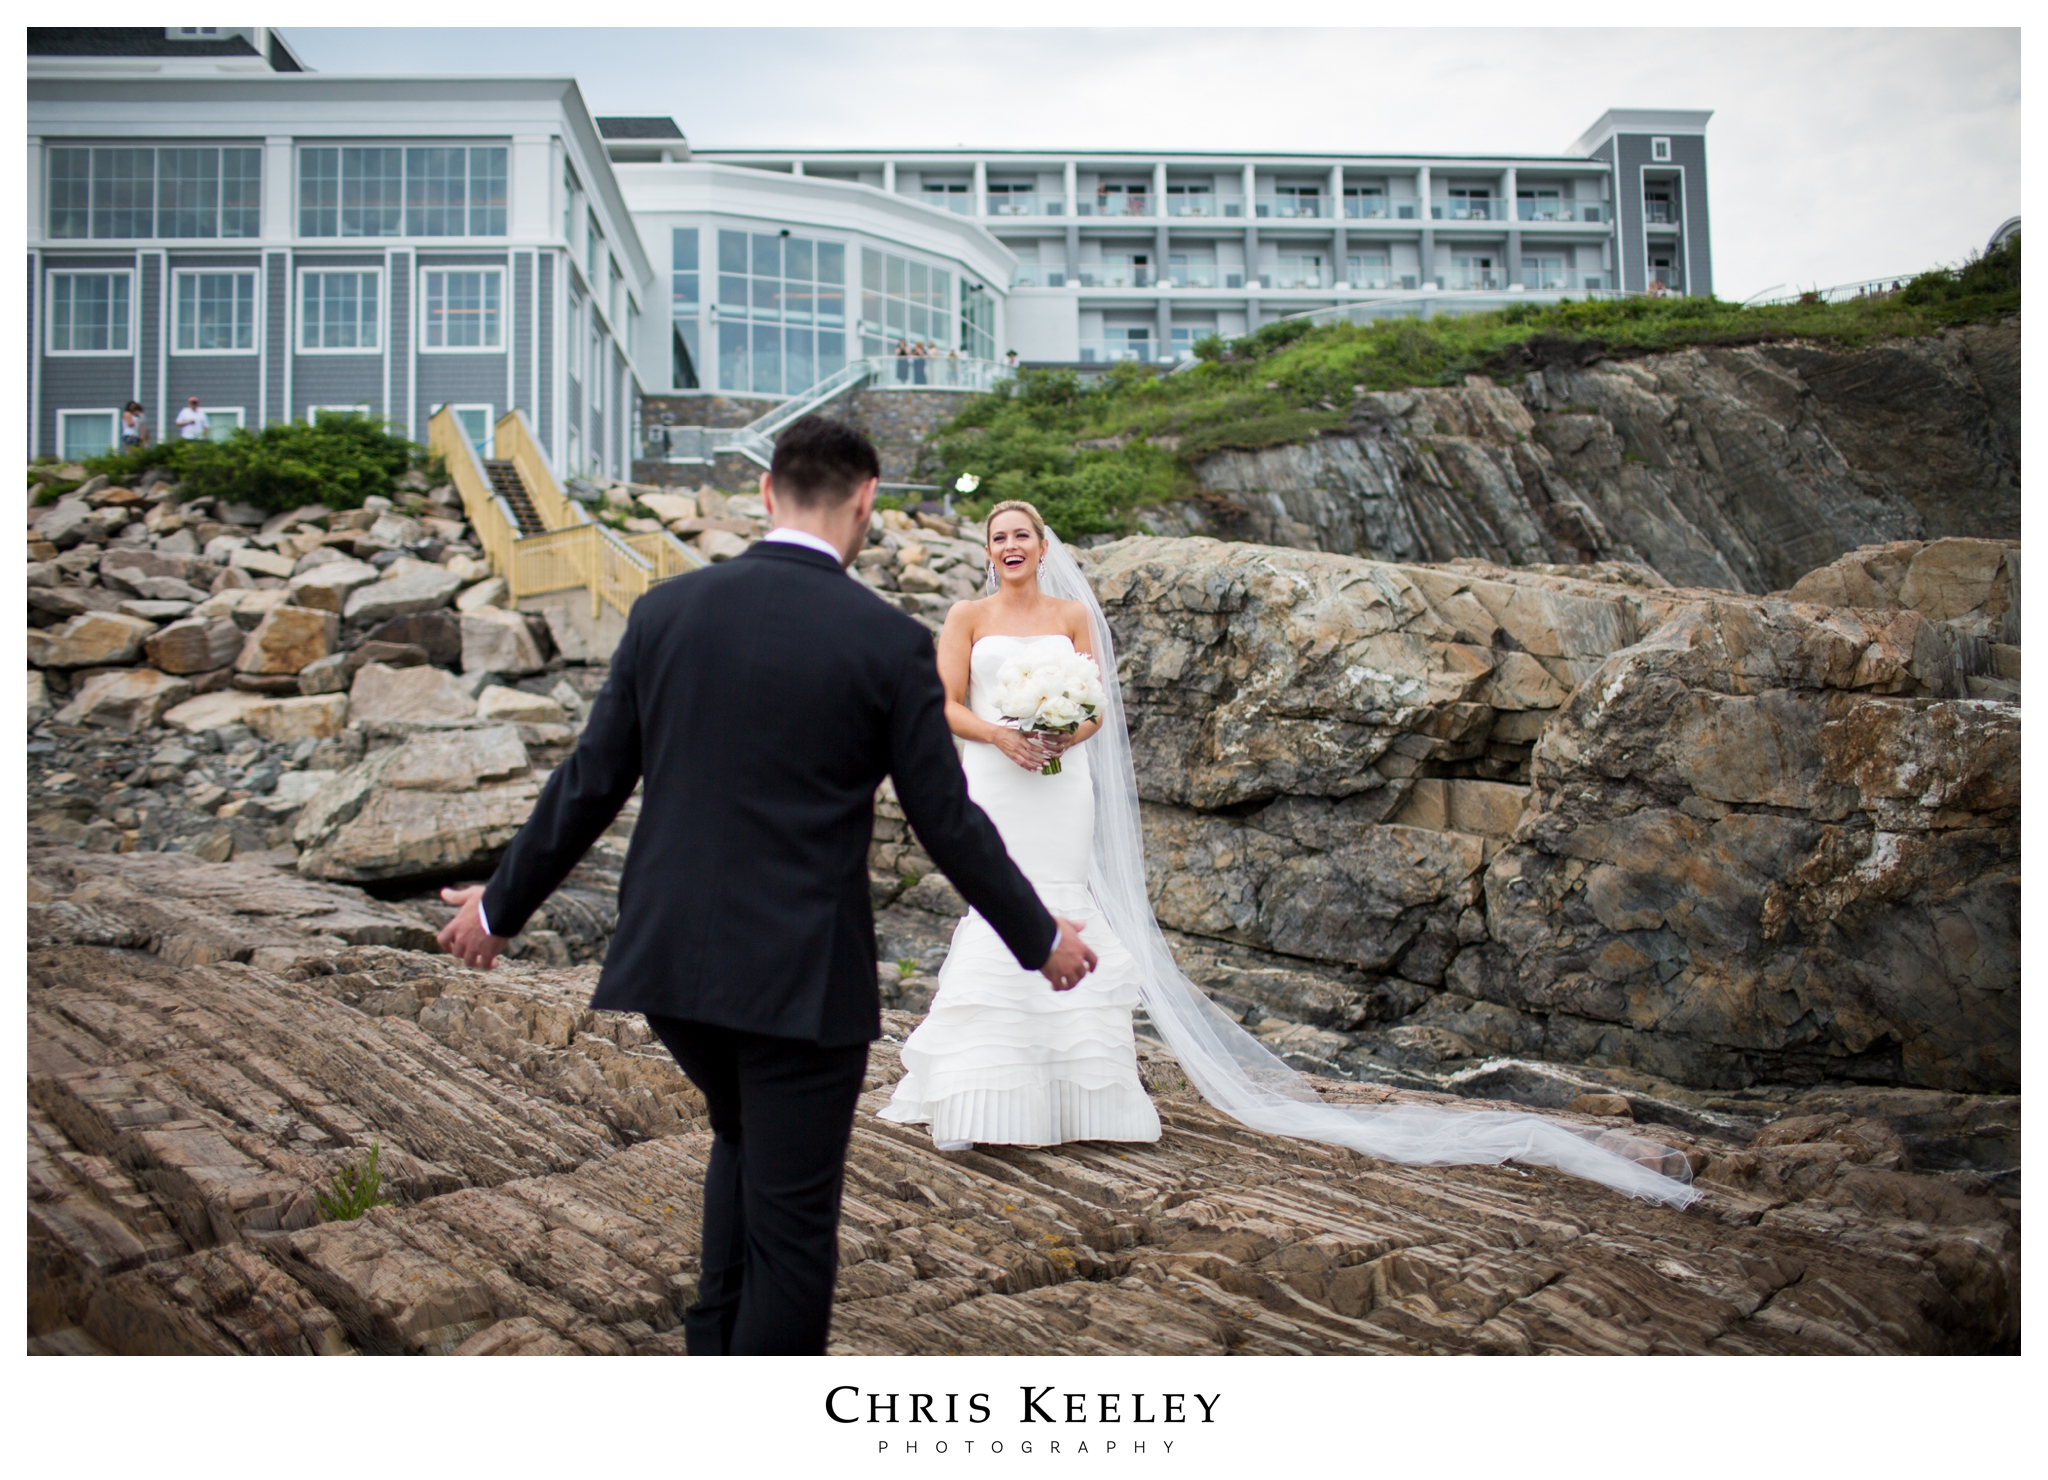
(1090, 454)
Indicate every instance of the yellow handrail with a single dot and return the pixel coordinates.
(574, 551)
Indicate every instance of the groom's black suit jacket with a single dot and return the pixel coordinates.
(763, 700)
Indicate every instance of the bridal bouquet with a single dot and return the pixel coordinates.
(1049, 691)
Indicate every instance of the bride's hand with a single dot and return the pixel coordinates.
(1028, 751)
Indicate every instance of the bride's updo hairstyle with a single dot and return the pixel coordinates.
(820, 462)
(1016, 506)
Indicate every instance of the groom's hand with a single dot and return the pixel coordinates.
(464, 936)
(1070, 959)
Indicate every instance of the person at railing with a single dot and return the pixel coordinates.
(918, 355)
(1010, 360)
(902, 362)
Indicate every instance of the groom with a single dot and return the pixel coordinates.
(762, 702)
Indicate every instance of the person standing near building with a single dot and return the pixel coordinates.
(134, 426)
(192, 423)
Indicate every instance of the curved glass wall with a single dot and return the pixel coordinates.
(781, 311)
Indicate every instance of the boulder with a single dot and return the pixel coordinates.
(123, 569)
(288, 639)
(437, 634)
(157, 611)
(498, 641)
(439, 805)
(719, 544)
(485, 593)
(296, 788)
(390, 654)
(262, 562)
(195, 645)
(499, 703)
(65, 523)
(407, 587)
(329, 675)
(397, 530)
(327, 585)
(97, 640)
(313, 717)
(53, 606)
(130, 701)
(38, 697)
(212, 711)
(670, 507)
(385, 693)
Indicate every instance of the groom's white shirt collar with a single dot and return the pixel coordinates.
(807, 540)
(774, 536)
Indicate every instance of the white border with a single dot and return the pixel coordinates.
(134, 313)
(255, 312)
(490, 419)
(420, 276)
(113, 415)
(359, 408)
(296, 316)
(240, 414)
(301, 145)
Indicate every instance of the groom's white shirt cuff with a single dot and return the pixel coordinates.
(774, 536)
(808, 541)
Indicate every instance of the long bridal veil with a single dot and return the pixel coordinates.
(1240, 1076)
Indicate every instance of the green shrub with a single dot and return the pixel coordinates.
(339, 461)
(354, 1190)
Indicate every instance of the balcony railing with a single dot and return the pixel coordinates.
(1039, 275)
(1293, 277)
(1544, 208)
(1204, 206)
(1115, 203)
(1107, 351)
(1295, 207)
(1377, 279)
(1118, 275)
(1672, 278)
(1561, 279)
(1471, 279)
(931, 372)
(1205, 275)
(1660, 213)
(959, 202)
(1379, 208)
(1023, 203)
(1460, 209)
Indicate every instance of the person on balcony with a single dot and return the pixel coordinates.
(902, 362)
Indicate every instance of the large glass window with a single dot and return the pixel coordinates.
(338, 310)
(82, 434)
(216, 312)
(463, 310)
(682, 288)
(89, 313)
(435, 191)
(792, 290)
(170, 192)
(904, 300)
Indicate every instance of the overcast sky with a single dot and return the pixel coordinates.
(1832, 156)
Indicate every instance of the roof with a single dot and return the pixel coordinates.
(639, 128)
(155, 41)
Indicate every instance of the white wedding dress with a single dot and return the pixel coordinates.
(1002, 1058)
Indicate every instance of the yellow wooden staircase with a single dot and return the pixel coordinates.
(536, 537)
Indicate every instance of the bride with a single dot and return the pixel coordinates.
(1002, 1059)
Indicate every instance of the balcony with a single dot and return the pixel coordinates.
(1201, 205)
(1205, 275)
(1118, 275)
(1115, 203)
(1660, 213)
(1458, 208)
(1295, 208)
(959, 202)
(1023, 203)
(1472, 280)
(1294, 278)
(1560, 279)
(1108, 351)
(1670, 279)
(1377, 279)
(1547, 208)
(1039, 275)
(1379, 208)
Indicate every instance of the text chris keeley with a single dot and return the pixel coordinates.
(849, 1404)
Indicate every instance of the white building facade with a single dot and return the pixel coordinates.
(279, 242)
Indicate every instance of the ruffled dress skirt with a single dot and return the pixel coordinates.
(1001, 1058)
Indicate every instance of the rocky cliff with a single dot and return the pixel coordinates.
(1739, 468)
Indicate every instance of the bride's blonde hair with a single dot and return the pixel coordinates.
(1015, 506)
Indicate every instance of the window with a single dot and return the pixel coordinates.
(948, 195)
(1299, 270)
(222, 422)
(462, 310)
(1544, 272)
(216, 312)
(792, 289)
(593, 250)
(1365, 202)
(183, 193)
(901, 299)
(682, 284)
(314, 413)
(1012, 198)
(432, 191)
(89, 313)
(977, 322)
(1660, 150)
(1658, 208)
(84, 434)
(338, 311)
(476, 423)
(595, 380)
(1367, 270)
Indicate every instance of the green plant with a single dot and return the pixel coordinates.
(907, 966)
(354, 1190)
(338, 460)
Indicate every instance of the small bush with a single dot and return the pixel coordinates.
(354, 1190)
(338, 461)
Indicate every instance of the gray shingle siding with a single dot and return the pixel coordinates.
(90, 383)
(217, 380)
(398, 344)
(277, 288)
(462, 380)
(523, 333)
(544, 346)
(151, 323)
(337, 380)
(1689, 152)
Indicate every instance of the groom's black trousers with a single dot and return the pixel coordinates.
(781, 1116)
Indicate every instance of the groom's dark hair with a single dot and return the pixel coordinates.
(821, 461)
